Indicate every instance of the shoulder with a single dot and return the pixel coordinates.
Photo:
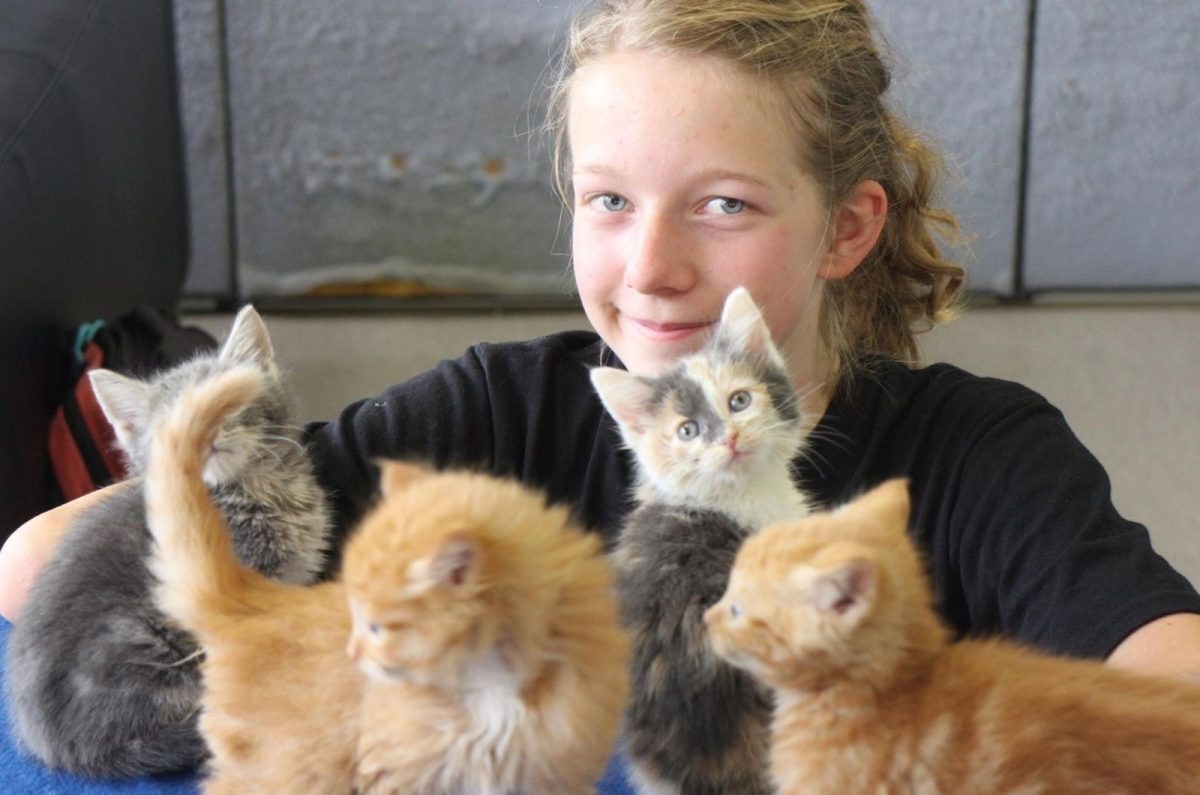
(575, 349)
(891, 419)
(891, 388)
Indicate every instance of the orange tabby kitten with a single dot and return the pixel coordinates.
(835, 613)
(471, 646)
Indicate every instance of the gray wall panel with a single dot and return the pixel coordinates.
(960, 77)
(374, 138)
(202, 105)
(1114, 187)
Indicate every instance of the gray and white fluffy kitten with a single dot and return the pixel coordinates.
(714, 438)
(99, 683)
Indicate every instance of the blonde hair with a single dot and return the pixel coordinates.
(823, 58)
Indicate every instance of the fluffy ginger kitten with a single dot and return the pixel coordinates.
(835, 613)
(471, 646)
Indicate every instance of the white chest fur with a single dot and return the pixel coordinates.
(491, 751)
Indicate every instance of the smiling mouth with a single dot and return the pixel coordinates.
(670, 331)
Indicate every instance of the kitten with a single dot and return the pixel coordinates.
(99, 682)
(835, 613)
(472, 645)
(714, 438)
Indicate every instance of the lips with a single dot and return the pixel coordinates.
(669, 331)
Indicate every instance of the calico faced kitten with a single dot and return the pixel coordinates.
(99, 683)
(473, 645)
(714, 438)
(835, 612)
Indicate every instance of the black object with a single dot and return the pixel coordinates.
(93, 214)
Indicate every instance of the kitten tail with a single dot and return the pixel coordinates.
(199, 576)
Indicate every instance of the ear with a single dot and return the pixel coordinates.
(856, 228)
(742, 324)
(396, 476)
(125, 402)
(248, 341)
(888, 503)
(456, 560)
(846, 592)
(626, 396)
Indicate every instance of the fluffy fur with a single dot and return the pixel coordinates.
(714, 439)
(99, 682)
(471, 646)
(836, 614)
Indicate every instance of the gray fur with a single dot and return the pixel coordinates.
(694, 721)
(695, 724)
(98, 682)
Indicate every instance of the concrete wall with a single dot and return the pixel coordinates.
(1125, 376)
(370, 138)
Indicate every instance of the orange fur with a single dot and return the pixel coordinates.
(471, 646)
(834, 611)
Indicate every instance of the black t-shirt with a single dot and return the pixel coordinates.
(1013, 514)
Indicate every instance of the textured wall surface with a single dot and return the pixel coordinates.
(202, 105)
(960, 76)
(371, 138)
(391, 138)
(1115, 152)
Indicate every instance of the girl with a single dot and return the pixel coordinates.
(706, 145)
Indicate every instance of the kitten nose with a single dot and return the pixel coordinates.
(731, 441)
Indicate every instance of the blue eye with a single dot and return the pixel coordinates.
(727, 205)
(734, 610)
(374, 629)
(610, 202)
(688, 430)
(739, 400)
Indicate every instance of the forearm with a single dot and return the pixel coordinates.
(32, 544)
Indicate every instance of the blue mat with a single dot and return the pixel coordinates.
(20, 774)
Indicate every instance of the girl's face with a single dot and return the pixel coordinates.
(687, 182)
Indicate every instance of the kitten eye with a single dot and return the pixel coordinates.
(688, 430)
(734, 611)
(374, 629)
(739, 400)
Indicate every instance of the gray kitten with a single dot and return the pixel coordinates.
(714, 438)
(99, 682)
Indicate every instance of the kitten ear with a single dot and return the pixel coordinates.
(455, 561)
(888, 503)
(396, 476)
(627, 397)
(846, 592)
(743, 327)
(248, 342)
(125, 402)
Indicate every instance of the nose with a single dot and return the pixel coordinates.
(660, 258)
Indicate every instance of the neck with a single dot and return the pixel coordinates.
(837, 707)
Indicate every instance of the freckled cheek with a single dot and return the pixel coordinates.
(596, 261)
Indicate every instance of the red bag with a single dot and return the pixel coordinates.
(82, 445)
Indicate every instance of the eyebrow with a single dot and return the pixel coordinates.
(708, 175)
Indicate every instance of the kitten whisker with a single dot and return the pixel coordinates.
(295, 442)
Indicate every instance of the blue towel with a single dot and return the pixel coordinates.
(20, 774)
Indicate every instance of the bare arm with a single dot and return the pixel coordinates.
(32, 544)
(1169, 645)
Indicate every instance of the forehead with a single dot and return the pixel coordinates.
(671, 114)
